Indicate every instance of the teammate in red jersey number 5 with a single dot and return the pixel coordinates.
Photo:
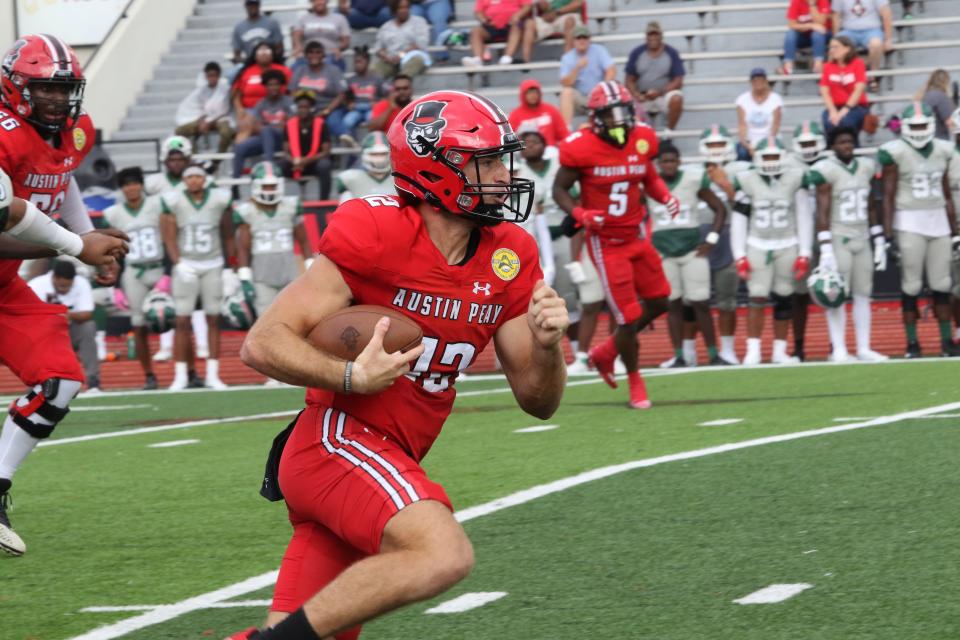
(371, 531)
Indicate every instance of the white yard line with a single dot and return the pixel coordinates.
(171, 443)
(537, 428)
(113, 407)
(720, 423)
(169, 612)
(852, 419)
(945, 415)
(467, 601)
(774, 593)
(234, 604)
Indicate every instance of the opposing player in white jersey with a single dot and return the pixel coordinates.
(267, 226)
(771, 235)
(809, 146)
(919, 220)
(194, 225)
(372, 177)
(717, 146)
(847, 217)
(954, 174)
(139, 217)
(537, 224)
(684, 253)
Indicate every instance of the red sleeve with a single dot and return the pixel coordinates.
(796, 9)
(654, 185)
(352, 241)
(521, 287)
(568, 155)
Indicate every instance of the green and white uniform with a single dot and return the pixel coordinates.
(156, 184)
(920, 219)
(357, 183)
(794, 160)
(773, 239)
(954, 173)
(144, 262)
(198, 238)
(849, 220)
(677, 238)
(271, 246)
(723, 271)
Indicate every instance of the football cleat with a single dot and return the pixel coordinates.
(247, 634)
(151, 382)
(869, 355)
(913, 351)
(719, 361)
(783, 358)
(215, 383)
(678, 363)
(839, 356)
(603, 365)
(579, 366)
(178, 384)
(752, 357)
(667, 364)
(949, 349)
(638, 394)
(10, 542)
(162, 356)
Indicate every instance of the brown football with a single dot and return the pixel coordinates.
(345, 333)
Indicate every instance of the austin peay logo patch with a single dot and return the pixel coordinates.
(426, 123)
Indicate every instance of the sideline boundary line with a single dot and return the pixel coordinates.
(169, 612)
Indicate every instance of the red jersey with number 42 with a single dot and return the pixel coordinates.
(384, 254)
(612, 178)
(39, 172)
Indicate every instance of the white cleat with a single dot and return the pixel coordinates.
(666, 364)
(273, 384)
(729, 357)
(162, 356)
(752, 357)
(839, 356)
(619, 368)
(178, 384)
(783, 359)
(10, 542)
(579, 368)
(871, 356)
(215, 383)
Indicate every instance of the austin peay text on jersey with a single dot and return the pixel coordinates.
(447, 308)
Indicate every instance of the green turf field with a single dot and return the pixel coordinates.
(865, 516)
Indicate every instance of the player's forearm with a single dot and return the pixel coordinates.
(275, 350)
(31, 226)
(539, 387)
(12, 248)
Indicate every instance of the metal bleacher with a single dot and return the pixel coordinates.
(720, 42)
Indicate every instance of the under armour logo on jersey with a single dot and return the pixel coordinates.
(485, 289)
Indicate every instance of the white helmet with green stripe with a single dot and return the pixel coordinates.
(808, 141)
(917, 125)
(768, 157)
(266, 185)
(375, 154)
(176, 144)
(827, 288)
(716, 145)
(237, 311)
(159, 312)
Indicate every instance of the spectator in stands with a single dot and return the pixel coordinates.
(534, 112)
(327, 83)
(843, 86)
(759, 113)
(207, 109)
(383, 112)
(936, 95)
(257, 28)
(869, 24)
(499, 20)
(808, 25)
(62, 285)
(548, 18)
(401, 45)
(270, 117)
(308, 144)
(581, 69)
(365, 14)
(437, 13)
(248, 89)
(654, 76)
(363, 89)
(331, 29)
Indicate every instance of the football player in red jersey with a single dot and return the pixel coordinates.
(371, 531)
(43, 138)
(612, 161)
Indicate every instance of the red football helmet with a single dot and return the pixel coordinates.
(433, 140)
(41, 59)
(611, 110)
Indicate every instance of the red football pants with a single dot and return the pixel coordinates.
(35, 336)
(342, 482)
(629, 271)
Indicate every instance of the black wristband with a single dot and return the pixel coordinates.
(293, 627)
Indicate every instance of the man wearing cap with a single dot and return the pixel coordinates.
(654, 77)
(257, 28)
(534, 113)
(581, 69)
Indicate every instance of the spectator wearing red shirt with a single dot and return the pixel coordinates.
(533, 112)
(383, 112)
(248, 89)
(809, 25)
(843, 86)
(499, 20)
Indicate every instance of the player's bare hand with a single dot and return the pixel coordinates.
(374, 369)
(107, 274)
(547, 315)
(101, 249)
(704, 249)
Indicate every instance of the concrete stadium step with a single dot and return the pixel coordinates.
(158, 133)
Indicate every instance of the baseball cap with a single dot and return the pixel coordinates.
(653, 27)
(251, 2)
(581, 32)
(758, 72)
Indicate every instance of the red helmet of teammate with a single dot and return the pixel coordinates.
(611, 110)
(42, 60)
(433, 142)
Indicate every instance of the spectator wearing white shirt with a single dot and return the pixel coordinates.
(207, 108)
(759, 113)
(62, 285)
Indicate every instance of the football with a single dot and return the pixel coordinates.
(345, 333)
